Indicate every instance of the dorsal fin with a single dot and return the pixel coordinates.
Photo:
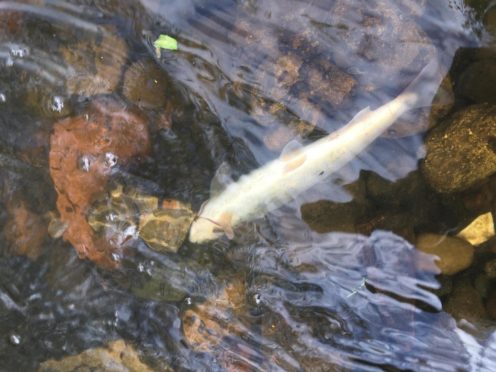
(221, 180)
(290, 148)
(360, 115)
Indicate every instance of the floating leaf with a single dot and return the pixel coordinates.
(165, 42)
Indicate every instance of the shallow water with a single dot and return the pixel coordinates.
(249, 76)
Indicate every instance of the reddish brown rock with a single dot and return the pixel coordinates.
(25, 231)
(117, 356)
(82, 152)
(207, 324)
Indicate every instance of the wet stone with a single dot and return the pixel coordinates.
(146, 85)
(325, 216)
(25, 231)
(327, 82)
(475, 75)
(95, 65)
(387, 44)
(454, 254)
(445, 285)
(394, 194)
(107, 127)
(118, 356)
(465, 302)
(489, 19)
(462, 151)
(205, 325)
(479, 230)
(490, 269)
(491, 305)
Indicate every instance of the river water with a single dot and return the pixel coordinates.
(322, 283)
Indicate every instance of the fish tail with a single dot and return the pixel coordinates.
(425, 86)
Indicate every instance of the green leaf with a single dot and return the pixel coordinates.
(165, 42)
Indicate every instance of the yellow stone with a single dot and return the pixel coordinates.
(479, 230)
(454, 254)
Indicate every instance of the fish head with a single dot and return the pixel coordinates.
(204, 230)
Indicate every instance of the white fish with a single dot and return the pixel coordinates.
(277, 182)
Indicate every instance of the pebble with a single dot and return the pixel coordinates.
(454, 254)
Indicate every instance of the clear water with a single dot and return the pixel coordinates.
(311, 301)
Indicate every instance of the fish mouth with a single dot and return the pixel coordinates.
(204, 229)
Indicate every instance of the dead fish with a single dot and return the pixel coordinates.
(296, 170)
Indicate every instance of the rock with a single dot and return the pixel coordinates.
(403, 192)
(327, 82)
(382, 38)
(479, 230)
(489, 19)
(146, 85)
(446, 286)
(118, 356)
(490, 269)
(83, 150)
(465, 302)
(454, 254)
(491, 305)
(25, 231)
(401, 224)
(95, 64)
(475, 75)
(205, 325)
(11, 23)
(325, 216)
(460, 153)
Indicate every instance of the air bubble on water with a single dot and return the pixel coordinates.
(3, 98)
(257, 298)
(57, 104)
(116, 257)
(141, 267)
(110, 159)
(85, 163)
(19, 52)
(15, 339)
(110, 217)
(149, 271)
(131, 232)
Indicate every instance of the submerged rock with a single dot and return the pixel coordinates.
(25, 231)
(479, 230)
(465, 302)
(83, 151)
(94, 65)
(205, 325)
(325, 216)
(384, 37)
(454, 254)
(462, 151)
(146, 85)
(475, 74)
(118, 356)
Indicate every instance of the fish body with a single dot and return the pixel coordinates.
(277, 182)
